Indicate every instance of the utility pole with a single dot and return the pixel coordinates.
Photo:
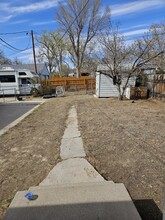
(34, 55)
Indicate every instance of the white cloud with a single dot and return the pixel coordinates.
(27, 55)
(135, 32)
(43, 5)
(42, 23)
(28, 51)
(8, 10)
(136, 6)
(4, 6)
(5, 19)
(20, 21)
(135, 26)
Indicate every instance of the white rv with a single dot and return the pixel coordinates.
(18, 82)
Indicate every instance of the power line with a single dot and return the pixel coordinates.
(12, 47)
(18, 32)
(73, 21)
(6, 46)
(36, 33)
(18, 52)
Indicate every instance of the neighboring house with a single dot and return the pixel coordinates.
(155, 80)
(150, 72)
(42, 69)
(84, 72)
(71, 74)
(105, 87)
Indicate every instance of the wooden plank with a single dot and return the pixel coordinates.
(82, 83)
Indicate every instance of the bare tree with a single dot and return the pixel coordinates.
(53, 49)
(123, 60)
(16, 61)
(156, 37)
(4, 59)
(81, 20)
(90, 61)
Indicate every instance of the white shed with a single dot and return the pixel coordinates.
(105, 87)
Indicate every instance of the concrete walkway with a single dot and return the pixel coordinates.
(71, 143)
(74, 189)
(74, 168)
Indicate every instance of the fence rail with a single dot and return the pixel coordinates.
(4, 93)
(159, 86)
(72, 83)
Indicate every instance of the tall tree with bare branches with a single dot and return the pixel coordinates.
(156, 37)
(53, 49)
(125, 60)
(81, 20)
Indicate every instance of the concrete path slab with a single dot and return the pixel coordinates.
(83, 202)
(72, 122)
(71, 143)
(71, 132)
(72, 118)
(55, 186)
(73, 170)
(72, 147)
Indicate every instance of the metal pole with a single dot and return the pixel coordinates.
(34, 55)
(15, 91)
(3, 96)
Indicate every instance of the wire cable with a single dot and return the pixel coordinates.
(18, 52)
(12, 47)
(73, 21)
(6, 46)
(18, 32)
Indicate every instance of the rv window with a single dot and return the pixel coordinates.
(24, 81)
(22, 74)
(7, 78)
(31, 81)
(28, 81)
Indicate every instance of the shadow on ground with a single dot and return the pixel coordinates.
(83, 211)
(148, 209)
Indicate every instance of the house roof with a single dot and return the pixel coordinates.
(40, 67)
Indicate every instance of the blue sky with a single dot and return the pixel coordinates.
(135, 17)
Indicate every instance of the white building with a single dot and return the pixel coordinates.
(104, 84)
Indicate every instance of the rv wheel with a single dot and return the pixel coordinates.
(34, 92)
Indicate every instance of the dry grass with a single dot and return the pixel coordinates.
(123, 140)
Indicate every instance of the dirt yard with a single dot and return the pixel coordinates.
(124, 141)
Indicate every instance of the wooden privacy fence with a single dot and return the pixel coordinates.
(138, 93)
(159, 86)
(72, 83)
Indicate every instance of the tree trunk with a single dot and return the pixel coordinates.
(120, 96)
(60, 65)
(78, 72)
